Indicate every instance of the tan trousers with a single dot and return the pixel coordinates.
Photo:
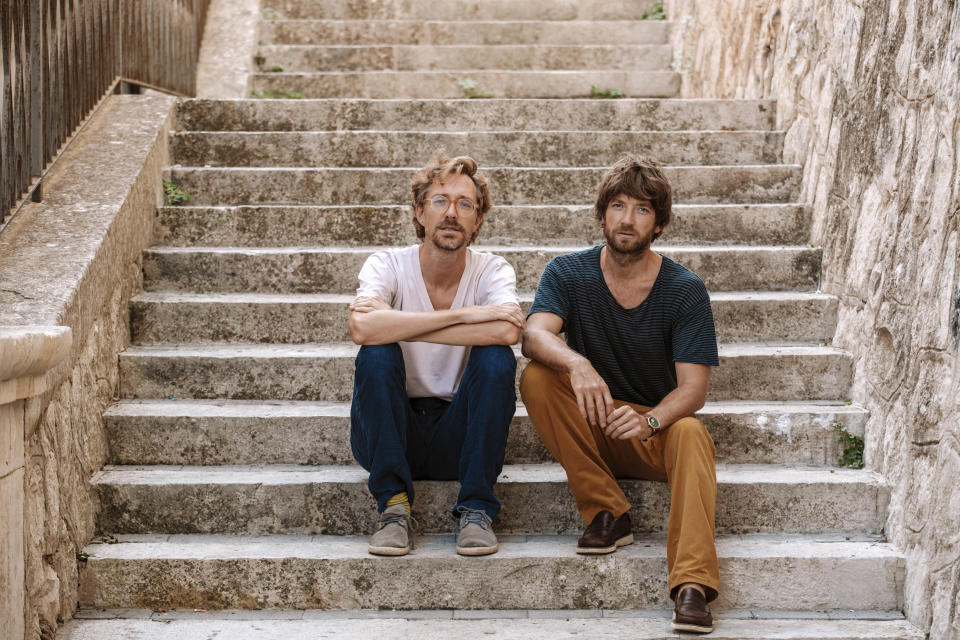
(682, 455)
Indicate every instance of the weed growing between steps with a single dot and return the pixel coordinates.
(606, 94)
(277, 94)
(471, 89)
(657, 13)
(173, 194)
(851, 445)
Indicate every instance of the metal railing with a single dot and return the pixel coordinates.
(60, 58)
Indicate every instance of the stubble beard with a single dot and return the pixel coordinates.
(628, 250)
(446, 243)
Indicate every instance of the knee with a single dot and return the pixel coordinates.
(691, 432)
(536, 381)
(379, 360)
(493, 362)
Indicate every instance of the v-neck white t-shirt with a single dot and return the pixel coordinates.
(394, 276)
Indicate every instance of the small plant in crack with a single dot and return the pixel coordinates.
(851, 447)
(471, 89)
(656, 13)
(605, 94)
(277, 94)
(173, 194)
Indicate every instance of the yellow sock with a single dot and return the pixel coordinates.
(400, 498)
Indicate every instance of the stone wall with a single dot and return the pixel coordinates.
(868, 93)
(74, 261)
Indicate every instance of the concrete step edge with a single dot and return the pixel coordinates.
(304, 408)
(532, 625)
(344, 349)
(553, 473)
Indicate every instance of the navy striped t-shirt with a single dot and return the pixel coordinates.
(634, 350)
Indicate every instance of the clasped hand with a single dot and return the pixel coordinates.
(597, 407)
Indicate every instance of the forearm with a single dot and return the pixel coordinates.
(482, 333)
(680, 403)
(386, 326)
(549, 349)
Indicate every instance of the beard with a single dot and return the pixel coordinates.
(633, 247)
(448, 243)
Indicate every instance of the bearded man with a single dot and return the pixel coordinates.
(435, 376)
(616, 400)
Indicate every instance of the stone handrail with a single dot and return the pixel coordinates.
(30, 364)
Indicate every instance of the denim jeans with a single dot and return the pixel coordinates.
(400, 439)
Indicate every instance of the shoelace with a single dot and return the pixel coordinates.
(475, 516)
(403, 519)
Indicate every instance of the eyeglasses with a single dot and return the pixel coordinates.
(463, 206)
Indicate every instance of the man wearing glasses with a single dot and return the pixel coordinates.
(434, 385)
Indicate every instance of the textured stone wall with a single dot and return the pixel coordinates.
(868, 92)
(74, 260)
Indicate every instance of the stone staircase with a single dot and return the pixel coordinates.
(231, 484)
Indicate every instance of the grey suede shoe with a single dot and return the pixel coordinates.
(393, 536)
(476, 536)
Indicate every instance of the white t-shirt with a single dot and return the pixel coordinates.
(394, 276)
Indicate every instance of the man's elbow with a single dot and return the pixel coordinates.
(357, 331)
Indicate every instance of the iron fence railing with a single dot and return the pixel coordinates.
(60, 58)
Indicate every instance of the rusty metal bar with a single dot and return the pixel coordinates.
(59, 58)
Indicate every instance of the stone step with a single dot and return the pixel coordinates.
(522, 148)
(474, 32)
(334, 269)
(625, 114)
(455, 57)
(574, 624)
(448, 84)
(460, 10)
(332, 572)
(238, 432)
(287, 226)
(758, 373)
(261, 500)
(171, 318)
(710, 184)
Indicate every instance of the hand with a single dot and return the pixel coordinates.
(593, 394)
(488, 313)
(624, 423)
(366, 304)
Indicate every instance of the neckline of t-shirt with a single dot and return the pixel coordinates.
(613, 298)
(461, 291)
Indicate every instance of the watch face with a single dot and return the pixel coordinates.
(653, 422)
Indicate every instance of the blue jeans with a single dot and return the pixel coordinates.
(399, 439)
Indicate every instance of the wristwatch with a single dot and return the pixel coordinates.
(654, 425)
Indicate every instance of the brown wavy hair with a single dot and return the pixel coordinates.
(641, 178)
(438, 170)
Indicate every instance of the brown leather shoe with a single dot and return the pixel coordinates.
(604, 534)
(692, 613)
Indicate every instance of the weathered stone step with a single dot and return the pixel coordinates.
(447, 84)
(238, 432)
(441, 32)
(460, 10)
(335, 269)
(758, 373)
(711, 184)
(259, 500)
(287, 226)
(456, 57)
(521, 148)
(170, 318)
(820, 572)
(474, 115)
(89, 624)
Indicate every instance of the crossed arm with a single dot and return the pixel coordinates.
(373, 321)
(542, 342)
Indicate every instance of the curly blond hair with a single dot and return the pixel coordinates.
(438, 170)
